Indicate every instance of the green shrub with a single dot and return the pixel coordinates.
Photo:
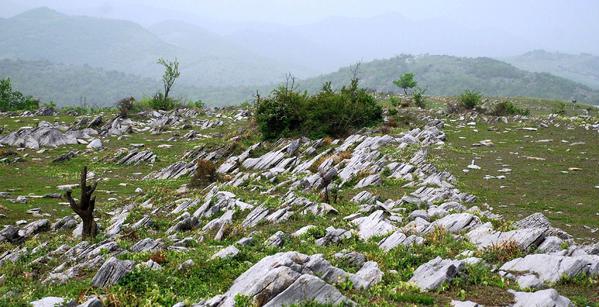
(502, 252)
(287, 112)
(414, 298)
(281, 113)
(507, 108)
(394, 101)
(198, 104)
(159, 102)
(470, 99)
(418, 97)
(560, 109)
(243, 301)
(337, 113)
(12, 100)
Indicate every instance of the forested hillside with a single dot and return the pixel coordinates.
(448, 75)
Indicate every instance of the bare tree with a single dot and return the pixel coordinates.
(355, 71)
(289, 82)
(85, 207)
(171, 73)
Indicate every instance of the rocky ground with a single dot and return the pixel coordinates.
(437, 210)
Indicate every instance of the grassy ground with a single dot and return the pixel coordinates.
(550, 173)
(38, 176)
(569, 200)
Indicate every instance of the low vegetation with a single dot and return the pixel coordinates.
(507, 108)
(288, 112)
(470, 99)
(13, 100)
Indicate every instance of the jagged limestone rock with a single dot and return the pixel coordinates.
(111, 271)
(434, 273)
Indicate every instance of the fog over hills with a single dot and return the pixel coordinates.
(45, 34)
(583, 68)
(228, 54)
(449, 75)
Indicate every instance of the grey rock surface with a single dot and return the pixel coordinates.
(434, 273)
(484, 236)
(111, 271)
(541, 298)
(550, 268)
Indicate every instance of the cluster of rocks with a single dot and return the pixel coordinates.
(15, 235)
(46, 135)
(291, 277)
(188, 165)
(297, 166)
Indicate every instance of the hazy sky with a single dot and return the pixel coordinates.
(548, 12)
(574, 23)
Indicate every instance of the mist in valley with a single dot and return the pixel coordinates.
(240, 46)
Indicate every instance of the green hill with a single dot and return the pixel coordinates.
(44, 34)
(72, 84)
(441, 75)
(583, 68)
(448, 76)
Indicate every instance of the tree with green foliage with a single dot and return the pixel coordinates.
(12, 100)
(406, 81)
(171, 73)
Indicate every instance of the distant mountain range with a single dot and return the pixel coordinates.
(207, 60)
(63, 58)
(74, 84)
(583, 68)
(440, 75)
(339, 41)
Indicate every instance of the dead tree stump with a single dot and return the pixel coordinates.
(85, 207)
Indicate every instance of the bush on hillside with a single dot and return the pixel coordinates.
(336, 113)
(470, 99)
(418, 97)
(124, 106)
(507, 108)
(198, 104)
(287, 112)
(12, 100)
(560, 109)
(159, 102)
(282, 113)
(394, 101)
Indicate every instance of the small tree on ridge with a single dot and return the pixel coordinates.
(405, 82)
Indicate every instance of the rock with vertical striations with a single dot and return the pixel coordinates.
(111, 271)
(309, 288)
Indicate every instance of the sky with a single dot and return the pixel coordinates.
(549, 12)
